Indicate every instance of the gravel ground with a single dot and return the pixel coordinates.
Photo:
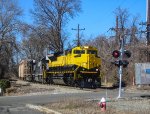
(134, 105)
(78, 106)
(121, 106)
(136, 89)
(26, 88)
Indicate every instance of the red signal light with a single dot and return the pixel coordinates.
(116, 53)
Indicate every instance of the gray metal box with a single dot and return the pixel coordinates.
(142, 73)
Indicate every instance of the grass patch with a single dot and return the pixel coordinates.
(79, 106)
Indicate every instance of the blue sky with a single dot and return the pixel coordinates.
(97, 15)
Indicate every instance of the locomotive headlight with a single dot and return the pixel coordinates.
(86, 47)
(97, 69)
(84, 64)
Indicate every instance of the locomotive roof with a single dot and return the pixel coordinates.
(85, 47)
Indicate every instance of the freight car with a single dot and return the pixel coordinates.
(79, 66)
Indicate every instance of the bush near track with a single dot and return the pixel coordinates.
(4, 83)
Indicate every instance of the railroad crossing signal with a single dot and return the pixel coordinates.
(122, 60)
(122, 55)
(116, 53)
(127, 53)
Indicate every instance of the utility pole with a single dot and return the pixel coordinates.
(117, 31)
(148, 22)
(78, 35)
(147, 31)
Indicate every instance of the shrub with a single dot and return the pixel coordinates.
(11, 90)
(4, 84)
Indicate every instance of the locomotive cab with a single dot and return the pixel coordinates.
(85, 57)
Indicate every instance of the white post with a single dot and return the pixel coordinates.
(120, 76)
(121, 67)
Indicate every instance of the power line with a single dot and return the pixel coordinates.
(78, 35)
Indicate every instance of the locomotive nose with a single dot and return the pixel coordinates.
(91, 61)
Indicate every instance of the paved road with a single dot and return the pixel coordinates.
(17, 104)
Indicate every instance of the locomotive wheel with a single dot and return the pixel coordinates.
(93, 85)
(82, 83)
(68, 80)
(71, 80)
(98, 80)
(49, 80)
(65, 80)
(87, 83)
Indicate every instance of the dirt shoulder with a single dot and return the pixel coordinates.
(20, 87)
(80, 106)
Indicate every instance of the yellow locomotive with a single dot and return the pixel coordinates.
(79, 66)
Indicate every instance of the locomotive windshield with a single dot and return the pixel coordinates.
(92, 52)
(79, 51)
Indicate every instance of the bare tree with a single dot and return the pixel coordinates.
(9, 22)
(122, 20)
(53, 15)
(134, 30)
(33, 47)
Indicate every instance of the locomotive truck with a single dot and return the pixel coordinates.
(79, 66)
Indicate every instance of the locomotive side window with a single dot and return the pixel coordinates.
(92, 52)
(68, 51)
(79, 51)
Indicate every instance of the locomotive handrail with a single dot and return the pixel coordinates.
(75, 72)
